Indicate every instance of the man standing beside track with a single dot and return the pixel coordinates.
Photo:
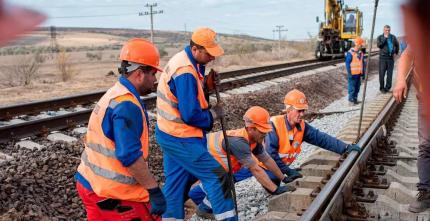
(183, 116)
(417, 26)
(245, 146)
(388, 48)
(113, 178)
(289, 131)
(355, 66)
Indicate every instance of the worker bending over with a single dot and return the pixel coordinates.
(289, 131)
(245, 146)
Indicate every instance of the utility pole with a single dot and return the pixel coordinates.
(151, 12)
(279, 30)
(185, 33)
(53, 43)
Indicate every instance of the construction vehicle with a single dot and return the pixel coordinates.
(341, 26)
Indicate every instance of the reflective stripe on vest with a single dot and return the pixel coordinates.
(215, 141)
(288, 152)
(99, 165)
(168, 116)
(356, 63)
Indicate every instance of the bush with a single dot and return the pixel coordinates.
(94, 56)
(162, 52)
(26, 69)
(241, 49)
(64, 65)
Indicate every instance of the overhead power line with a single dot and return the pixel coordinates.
(92, 16)
(93, 6)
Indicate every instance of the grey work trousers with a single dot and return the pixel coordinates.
(386, 67)
(423, 161)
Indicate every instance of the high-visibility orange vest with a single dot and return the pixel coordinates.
(168, 116)
(105, 173)
(356, 63)
(215, 141)
(290, 141)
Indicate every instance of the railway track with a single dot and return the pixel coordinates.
(9, 112)
(30, 158)
(377, 184)
(25, 120)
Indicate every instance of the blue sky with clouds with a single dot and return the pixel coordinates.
(252, 17)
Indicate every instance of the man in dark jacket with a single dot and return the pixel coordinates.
(388, 47)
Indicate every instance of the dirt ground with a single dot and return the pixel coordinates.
(90, 68)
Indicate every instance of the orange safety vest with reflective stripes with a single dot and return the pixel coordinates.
(168, 116)
(105, 173)
(356, 63)
(290, 141)
(215, 141)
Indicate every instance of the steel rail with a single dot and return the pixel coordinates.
(8, 112)
(37, 127)
(324, 201)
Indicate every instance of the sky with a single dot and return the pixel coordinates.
(251, 17)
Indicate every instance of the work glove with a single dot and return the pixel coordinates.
(217, 111)
(157, 200)
(211, 81)
(291, 178)
(283, 189)
(352, 147)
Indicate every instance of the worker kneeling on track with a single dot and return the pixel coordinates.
(284, 142)
(113, 178)
(245, 146)
(355, 66)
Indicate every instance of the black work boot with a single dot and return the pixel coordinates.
(421, 203)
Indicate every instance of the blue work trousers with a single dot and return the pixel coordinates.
(184, 164)
(198, 194)
(354, 82)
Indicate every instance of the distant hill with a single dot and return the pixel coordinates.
(166, 36)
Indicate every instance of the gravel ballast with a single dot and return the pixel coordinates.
(39, 184)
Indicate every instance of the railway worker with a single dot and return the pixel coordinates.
(16, 20)
(388, 48)
(355, 67)
(283, 143)
(113, 178)
(183, 117)
(417, 32)
(246, 147)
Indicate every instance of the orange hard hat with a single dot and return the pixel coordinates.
(15, 20)
(206, 37)
(358, 41)
(296, 99)
(259, 118)
(141, 51)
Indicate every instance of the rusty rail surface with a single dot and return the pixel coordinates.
(329, 203)
(8, 112)
(232, 79)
